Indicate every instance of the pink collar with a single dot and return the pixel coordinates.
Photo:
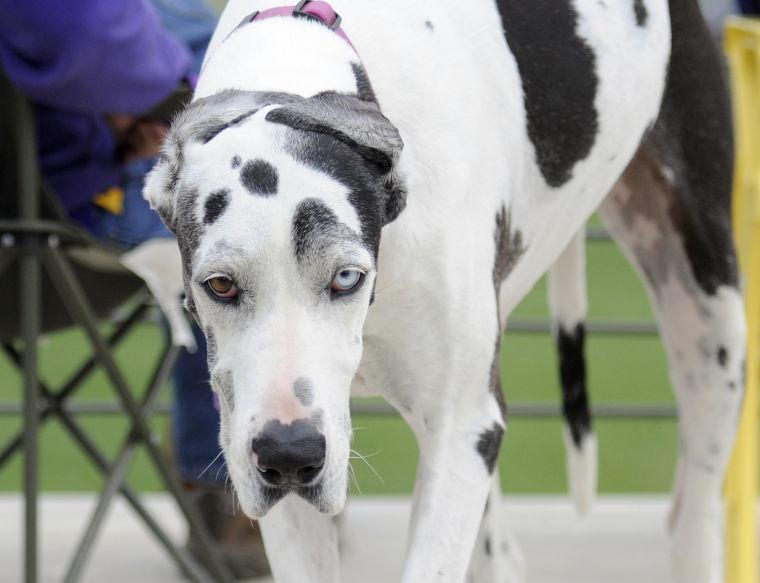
(312, 9)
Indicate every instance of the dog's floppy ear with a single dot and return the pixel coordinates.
(159, 187)
(359, 124)
(354, 121)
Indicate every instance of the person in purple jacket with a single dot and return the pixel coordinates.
(93, 70)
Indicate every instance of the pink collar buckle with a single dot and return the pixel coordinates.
(311, 9)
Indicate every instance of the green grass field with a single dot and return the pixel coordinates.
(635, 455)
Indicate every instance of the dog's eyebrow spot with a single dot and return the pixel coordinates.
(312, 217)
(259, 177)
(236, 162)
(215, 205)
(304, 391)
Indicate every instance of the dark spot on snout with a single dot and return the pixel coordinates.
(259, 177)
(429, 25)
(215, 205)
(641, 12)
(289, 455)
(304, 391)
(489, 444)
(236, 162)
(722, 356)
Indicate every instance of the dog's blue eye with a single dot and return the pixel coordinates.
(346, 280)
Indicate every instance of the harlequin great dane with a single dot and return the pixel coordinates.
(360, 205)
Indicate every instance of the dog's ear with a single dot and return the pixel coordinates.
(359, 124)
(354, 121)
(160, 185)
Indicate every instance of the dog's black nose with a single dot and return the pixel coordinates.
(289, 454)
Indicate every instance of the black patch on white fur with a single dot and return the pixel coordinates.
(363, 86)
(350, 140)
(429, 25)
(188, 230)
(312, 219)
(215, 205)
(304, 391)
(641, 12)
(236, 162)
(722, 356)
(259, 177)
(494, 384)
(700, 154)
(575, 406)
(558, 71)
(509, 248)
(489, 444)
(366, 189)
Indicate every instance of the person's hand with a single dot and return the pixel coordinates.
(143, 140)
(121, 124)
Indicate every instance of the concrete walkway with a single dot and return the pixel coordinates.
(623, 540)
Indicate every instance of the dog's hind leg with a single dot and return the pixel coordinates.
(301, 543)
(671, 213)
(568, 305)
(683, 248)
(497, 557)
(700, 313)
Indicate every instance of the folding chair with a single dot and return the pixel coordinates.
(53, 275)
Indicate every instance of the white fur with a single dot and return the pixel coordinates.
(581, 470)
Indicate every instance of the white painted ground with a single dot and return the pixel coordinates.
(623, 541)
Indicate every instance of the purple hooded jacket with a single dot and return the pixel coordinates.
(77, 61)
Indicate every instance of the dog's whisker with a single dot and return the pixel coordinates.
(368, 455)
(369, 465)
(224, 466)
(211, 463)
(352, 475)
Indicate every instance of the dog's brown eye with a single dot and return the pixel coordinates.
(222, 287)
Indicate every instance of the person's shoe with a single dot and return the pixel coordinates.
(236, 536)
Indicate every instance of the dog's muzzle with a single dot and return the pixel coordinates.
(289, 455)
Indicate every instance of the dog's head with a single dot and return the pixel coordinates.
(277, 202)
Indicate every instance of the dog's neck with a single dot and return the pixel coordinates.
(290, 55)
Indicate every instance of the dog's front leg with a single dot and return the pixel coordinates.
(301, 543)
(458, 454)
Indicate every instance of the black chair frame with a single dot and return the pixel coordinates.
(35, 242)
